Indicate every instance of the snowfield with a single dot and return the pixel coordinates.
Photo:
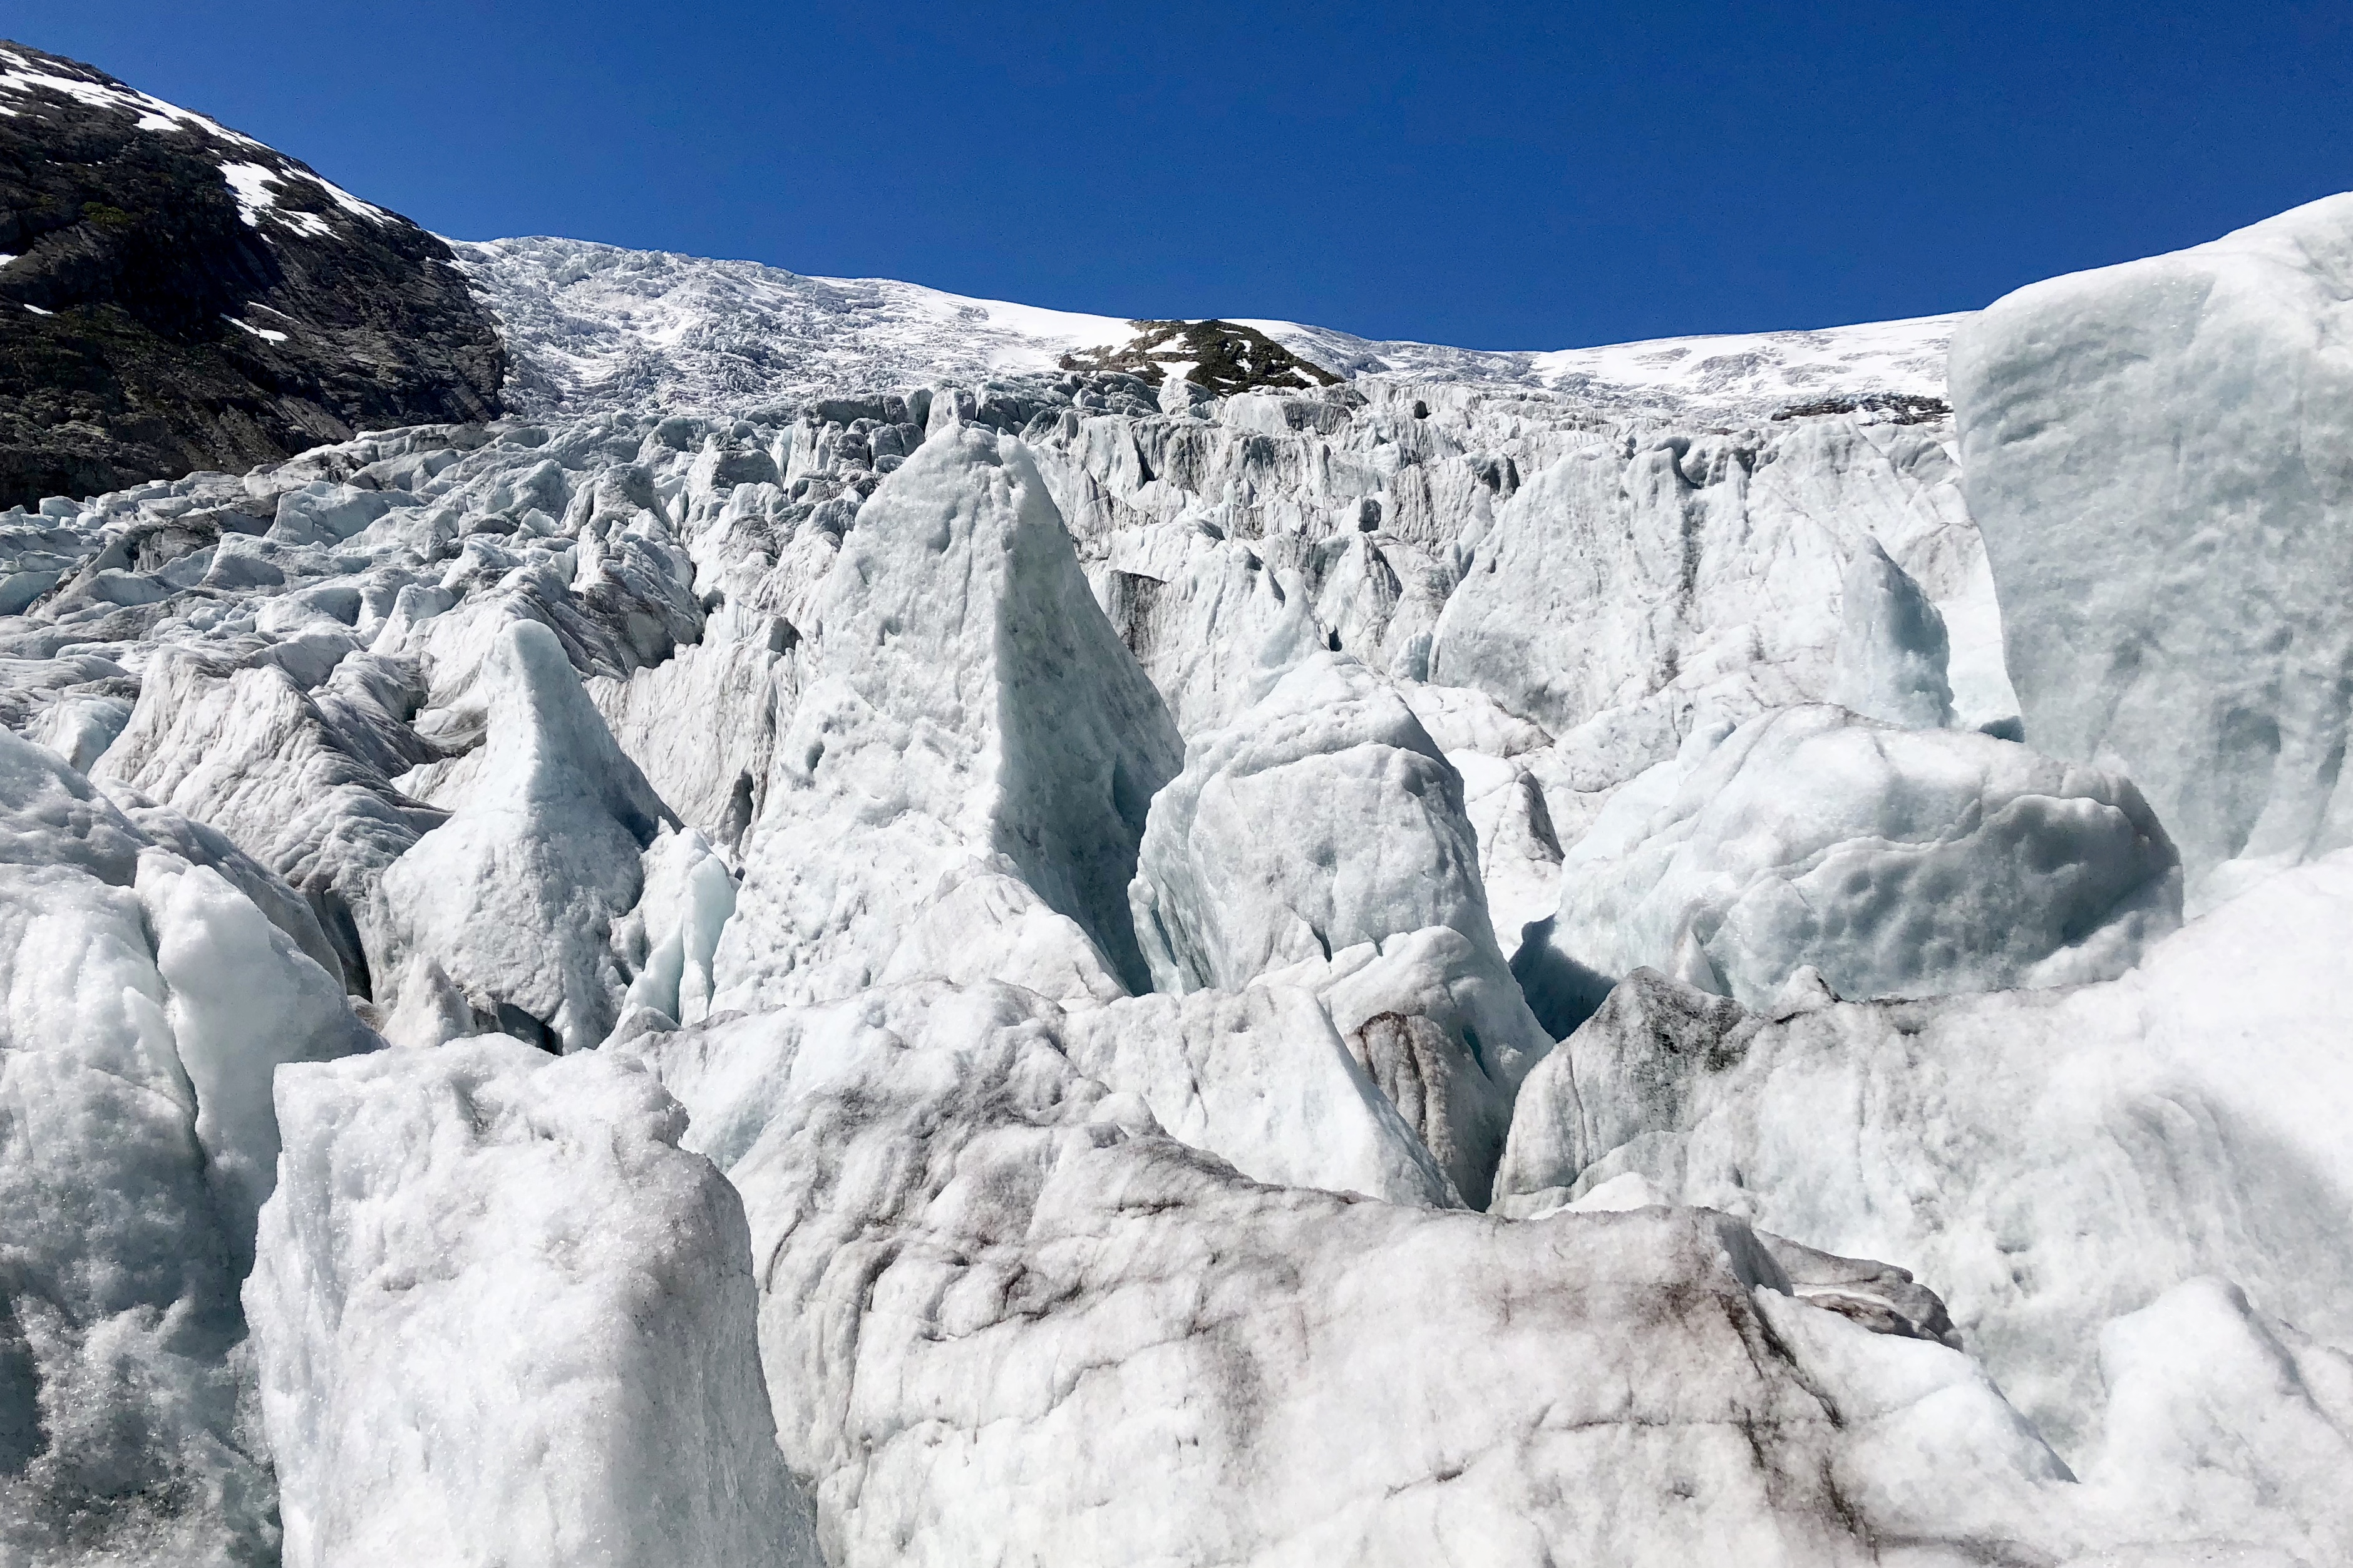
(836, 945)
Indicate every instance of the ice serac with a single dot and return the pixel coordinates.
(1321, 834)
(243, 748)
(2161, 456)
(1079, 1340)
(1643, 587)
(2049, 1158)
(966, 777)
(1893, 650)
(502, 917)
(1623, 1075)
(144, 1002)
(502, 1318)
(673, 933)
(1894, 862)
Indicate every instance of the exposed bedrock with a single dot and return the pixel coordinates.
(180, 297)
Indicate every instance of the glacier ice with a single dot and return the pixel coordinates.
(2050, 1158)
(2161, 455)
(1075, 1338)
(1057, 842)
(1893, 862)
(144, 1001)
(501, 1317)
(1371, 892)
(502, 917)
(1639, 590)
(1262, 1078)
(972, 745)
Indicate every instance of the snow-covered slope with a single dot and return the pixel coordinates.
(1105, 938)
(595, 325)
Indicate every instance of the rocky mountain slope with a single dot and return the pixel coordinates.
(848, 945)
(175, 296)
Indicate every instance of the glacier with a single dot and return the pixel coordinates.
(843, 941)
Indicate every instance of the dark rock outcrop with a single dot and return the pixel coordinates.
(176, 296)
(1219, 355)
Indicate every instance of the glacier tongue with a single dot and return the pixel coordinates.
(846, 717)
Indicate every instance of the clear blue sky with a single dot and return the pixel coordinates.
(1500, 175)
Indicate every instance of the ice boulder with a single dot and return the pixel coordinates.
(502, 917)
(1894, 862)
(2161, 456)
(1323, 816)
(1623, 1075)
(965, 779)
(2049, 1160)
(1321, 834)
(502, 1318)
(144, 1002)
(324, 513)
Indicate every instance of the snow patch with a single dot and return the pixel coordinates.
(251, 183)
(24, 75)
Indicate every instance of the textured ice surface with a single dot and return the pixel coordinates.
(502, 1318)
(805, 747)
(689, 894)
(1077, 1339)
(1639, 589)
(1893, 862)
(1321, 835)
(2161, 454)
(144, 1002)
(973, 747)
(2049, 1160)
(1261, 1078)
(502, 916)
